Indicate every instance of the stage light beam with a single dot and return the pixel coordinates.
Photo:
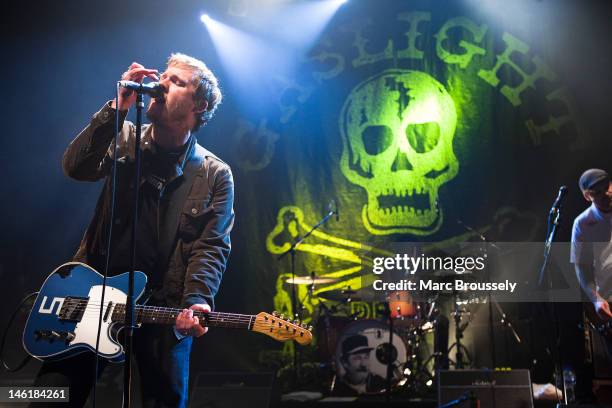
(250, 62)
(296, 25)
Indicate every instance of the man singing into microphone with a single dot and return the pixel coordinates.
(591, 250)
(183, 226)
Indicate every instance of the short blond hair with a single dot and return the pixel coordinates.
(207, 85)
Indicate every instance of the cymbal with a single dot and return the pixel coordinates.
(344, 295)
(309, 280)
(443, 273)
(445, 276)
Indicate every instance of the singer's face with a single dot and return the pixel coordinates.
(601, 196)
(177, 108)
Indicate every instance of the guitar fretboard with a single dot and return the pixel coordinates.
(75, 308)
(167, 315)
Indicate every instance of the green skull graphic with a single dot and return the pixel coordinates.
(397, 131)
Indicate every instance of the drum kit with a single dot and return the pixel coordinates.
(380, 353)
(377, 354)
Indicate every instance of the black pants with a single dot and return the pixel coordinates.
(162, 361)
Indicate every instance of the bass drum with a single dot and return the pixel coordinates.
(361, 357)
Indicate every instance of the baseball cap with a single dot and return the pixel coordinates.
(355, 344)
(591, 177)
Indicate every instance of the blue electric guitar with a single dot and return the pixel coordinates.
(64, 318)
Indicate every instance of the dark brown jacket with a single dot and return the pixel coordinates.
(194, 234)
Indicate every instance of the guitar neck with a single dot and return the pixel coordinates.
(167, 315)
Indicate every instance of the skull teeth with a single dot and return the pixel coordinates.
(405, 210)
(415, 201)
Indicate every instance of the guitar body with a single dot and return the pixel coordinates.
(49, 336)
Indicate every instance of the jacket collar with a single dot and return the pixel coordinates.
(148, 144)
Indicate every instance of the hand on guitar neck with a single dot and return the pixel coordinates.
(189, 325)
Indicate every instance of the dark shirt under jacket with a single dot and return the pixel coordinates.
(156, 168)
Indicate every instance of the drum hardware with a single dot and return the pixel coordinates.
(505, 321)
(460, 327)
(340, 295)
(417, 375)
(292, 251)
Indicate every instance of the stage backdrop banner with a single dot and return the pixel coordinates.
(414, 123)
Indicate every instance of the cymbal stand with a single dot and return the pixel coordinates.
(459, 329)
(294, 309)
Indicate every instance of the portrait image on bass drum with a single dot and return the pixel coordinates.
(361, 358)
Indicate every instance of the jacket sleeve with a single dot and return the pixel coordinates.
(89, 155)
(210, 252)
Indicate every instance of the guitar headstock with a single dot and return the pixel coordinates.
(282, 329)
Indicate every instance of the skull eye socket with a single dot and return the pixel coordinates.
(423, 137)
(376, 139)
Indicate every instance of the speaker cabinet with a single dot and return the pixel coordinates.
(236, 390)
(499, 389)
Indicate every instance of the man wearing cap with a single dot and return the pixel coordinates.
(356, 362)
(591, 250)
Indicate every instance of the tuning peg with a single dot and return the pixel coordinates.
(275, 313)
(296, 322)
(282, 316)
(304, 326)
(309, 328)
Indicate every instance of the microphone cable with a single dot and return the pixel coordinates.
(4, 334)
(108, 241)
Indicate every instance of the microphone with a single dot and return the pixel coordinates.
(337, 211)
(332, 207)
(560, 196)
(153, 89)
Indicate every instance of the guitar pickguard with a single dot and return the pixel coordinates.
(86, 330)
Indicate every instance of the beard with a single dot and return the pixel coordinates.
(357, 376)
(167, 114)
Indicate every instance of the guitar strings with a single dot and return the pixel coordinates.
(219, 318)
(87, 312)
(82, 306)
(168, 314)
(121, 306)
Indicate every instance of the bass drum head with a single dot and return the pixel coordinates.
(361, 358)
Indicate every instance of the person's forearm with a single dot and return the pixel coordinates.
(585, 276)
(83, 159)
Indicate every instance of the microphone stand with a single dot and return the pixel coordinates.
(554, 215)
(297, 312)
(129, 307)
(553, 224)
